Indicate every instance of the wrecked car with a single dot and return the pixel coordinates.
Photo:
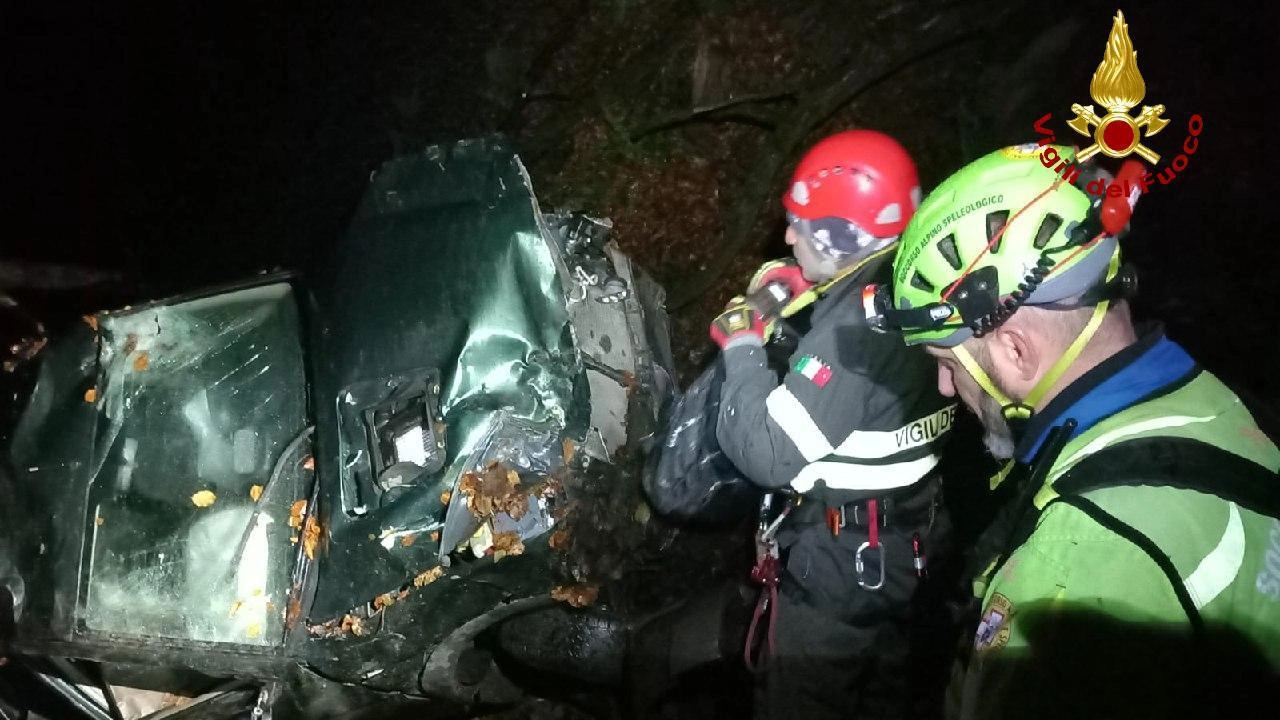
(353, 484)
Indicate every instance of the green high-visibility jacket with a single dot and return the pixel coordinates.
(1084, 617)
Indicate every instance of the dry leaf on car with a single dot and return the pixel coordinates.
(311, 534)
(203, 498)
(496, 489)
(295, 513)
(577, 594)
(506, 543)
(429, 576)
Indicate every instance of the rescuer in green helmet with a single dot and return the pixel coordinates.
(1134, 564)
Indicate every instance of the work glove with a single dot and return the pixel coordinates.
(786, 272)
(738, 324)
(800, 293)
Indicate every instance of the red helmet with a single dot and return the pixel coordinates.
(861, 176)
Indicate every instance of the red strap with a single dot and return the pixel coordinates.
(873, 523)
(768, 599)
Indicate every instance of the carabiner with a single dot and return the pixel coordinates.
(860, 567)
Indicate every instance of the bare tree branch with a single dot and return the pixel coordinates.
(868, 68)
(731, 110)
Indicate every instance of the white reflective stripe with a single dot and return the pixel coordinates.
(853, 476)
(883, 443)
(797, 423)
(1219, 568)
(1112, 436)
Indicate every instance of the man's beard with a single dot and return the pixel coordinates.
(997, 435)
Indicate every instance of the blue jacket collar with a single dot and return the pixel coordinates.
(1152, 366)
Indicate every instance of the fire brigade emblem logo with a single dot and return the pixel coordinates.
(1118, 86)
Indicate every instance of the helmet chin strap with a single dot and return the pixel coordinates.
(1017, 413)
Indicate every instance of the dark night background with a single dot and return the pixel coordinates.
(181, 143)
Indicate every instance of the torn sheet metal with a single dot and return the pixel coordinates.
(446, 265)
(526, 452)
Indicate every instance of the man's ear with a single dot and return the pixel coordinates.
(1015, 356)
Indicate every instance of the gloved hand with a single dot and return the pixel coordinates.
(786, 272)
(737, 324)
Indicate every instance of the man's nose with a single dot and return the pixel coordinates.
(946, 383)
(791, 236)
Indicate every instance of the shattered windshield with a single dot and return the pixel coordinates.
(201, 469)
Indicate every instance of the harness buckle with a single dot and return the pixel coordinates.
(857, 518)
(860, 567)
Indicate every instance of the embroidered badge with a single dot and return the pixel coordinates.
(993, 631)
(814, 369)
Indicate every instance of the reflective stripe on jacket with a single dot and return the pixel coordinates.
(857, 413)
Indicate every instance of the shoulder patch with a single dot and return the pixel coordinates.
(818, 372)
(993, 630)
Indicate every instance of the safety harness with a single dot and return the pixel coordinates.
(767, 571)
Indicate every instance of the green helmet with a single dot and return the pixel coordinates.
(953, 278)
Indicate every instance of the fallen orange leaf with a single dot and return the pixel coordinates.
(428, 577)
(506, 543)
(311, 536)
(577, 595)
(91, 395)
(496, 489)
(203, 498)
(407, 540)
(255, 492)
(445, 497)
(141, 362)
(558, 540)
(295, 513)
(353, 624)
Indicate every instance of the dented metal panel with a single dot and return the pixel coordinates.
(446, 265)
(353, 467)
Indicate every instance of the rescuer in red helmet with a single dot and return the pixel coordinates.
(849, 433)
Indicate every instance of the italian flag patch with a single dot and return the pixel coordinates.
(814, 369)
